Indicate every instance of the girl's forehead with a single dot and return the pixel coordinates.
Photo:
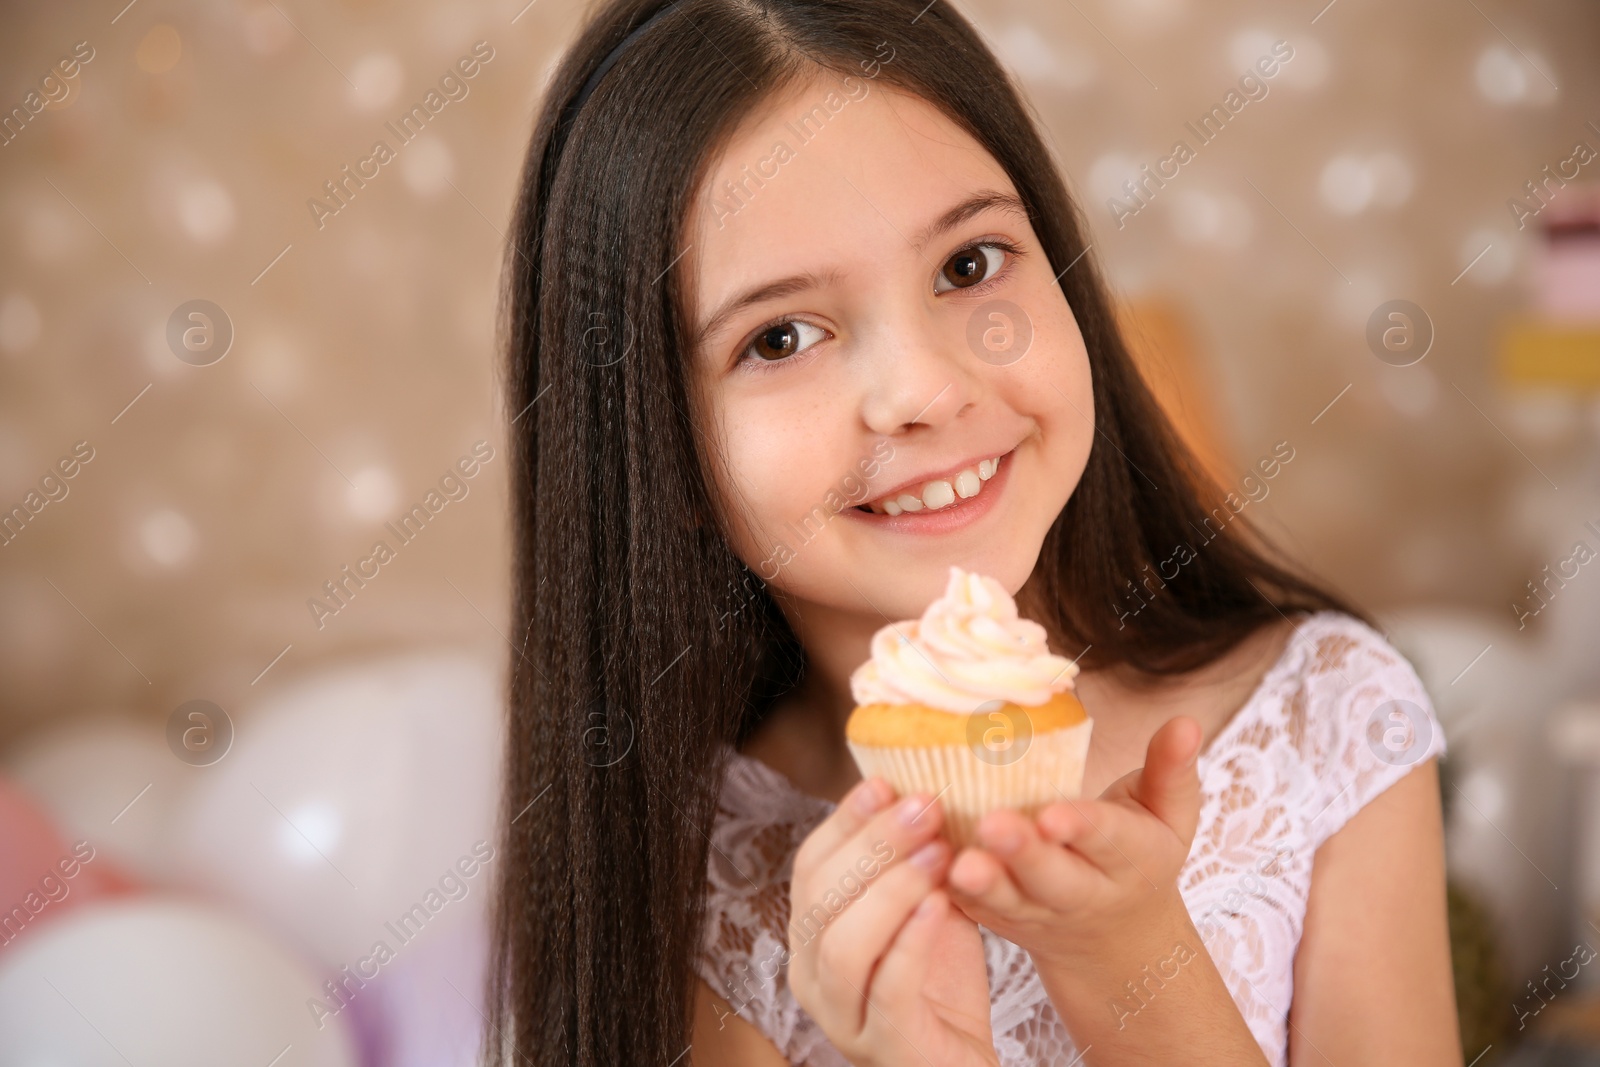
(825, 173)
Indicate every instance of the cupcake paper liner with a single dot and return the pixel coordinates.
(968, 785)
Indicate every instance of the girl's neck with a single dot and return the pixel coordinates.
(836, 643)
(802, 735)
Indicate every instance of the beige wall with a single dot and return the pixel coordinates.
(180, 165)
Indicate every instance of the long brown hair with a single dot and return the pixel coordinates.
(641, 639)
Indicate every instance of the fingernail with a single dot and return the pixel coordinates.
(864, 798)
(928, 856)
(912, 807)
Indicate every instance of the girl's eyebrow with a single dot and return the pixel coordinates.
(975, 204)
(795, 283)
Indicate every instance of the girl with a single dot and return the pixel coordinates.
(776, 263)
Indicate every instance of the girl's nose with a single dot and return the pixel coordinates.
(915, 369)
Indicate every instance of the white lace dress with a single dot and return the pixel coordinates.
(1335, 721)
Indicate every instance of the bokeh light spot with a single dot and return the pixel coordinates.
(377, 79)
(20, 323)
(167, 537)
(160, 49)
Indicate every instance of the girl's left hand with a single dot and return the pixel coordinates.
(1090, 879)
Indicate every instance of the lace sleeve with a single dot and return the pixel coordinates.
(1379, 724)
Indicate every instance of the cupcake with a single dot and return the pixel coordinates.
(969, 704)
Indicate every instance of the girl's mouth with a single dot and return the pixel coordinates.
(941, 504)
(939, 493)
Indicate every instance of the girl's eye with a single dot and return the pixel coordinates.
(971, 266)
(781, 340)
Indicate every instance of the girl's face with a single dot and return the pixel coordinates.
(876, 318)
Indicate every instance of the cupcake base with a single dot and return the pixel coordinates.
(970, 779)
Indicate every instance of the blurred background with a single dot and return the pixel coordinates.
(240, 749)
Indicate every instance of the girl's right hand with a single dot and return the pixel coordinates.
(895, 974)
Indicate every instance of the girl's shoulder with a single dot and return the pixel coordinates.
(1342, 711)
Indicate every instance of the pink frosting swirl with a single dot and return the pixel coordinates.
(969, 647)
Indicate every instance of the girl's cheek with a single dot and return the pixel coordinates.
(768, 477)
(1053, 378)
(736, 479)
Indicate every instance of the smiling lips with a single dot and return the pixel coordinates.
(938, 493)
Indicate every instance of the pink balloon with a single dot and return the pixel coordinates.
(42, 875)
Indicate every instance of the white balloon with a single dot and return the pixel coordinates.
(111, 781)
(357, 806)
(1472, 663)
(161, 981)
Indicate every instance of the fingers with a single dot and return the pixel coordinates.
(872, 856)
(979, 882)
(897, 985)
(1017, 863)
(859, 936)
(846, 905)
(1169, 785)
(853, 812)
(1032, 849)
(1068, 852)
(891, 834)
(1093, 830)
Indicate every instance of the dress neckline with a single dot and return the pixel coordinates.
(1267, 682)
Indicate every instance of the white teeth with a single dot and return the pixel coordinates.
(938, 494)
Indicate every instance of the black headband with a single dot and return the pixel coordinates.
(611, 58)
